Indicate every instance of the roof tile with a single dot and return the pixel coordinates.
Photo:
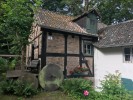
(116, 35)
(52, 20)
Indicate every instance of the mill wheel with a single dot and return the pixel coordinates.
(50, 77)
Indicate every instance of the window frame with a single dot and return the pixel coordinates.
(85, 42)
(131, 55)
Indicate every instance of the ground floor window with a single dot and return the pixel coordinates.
(87, 48)
(128, 54)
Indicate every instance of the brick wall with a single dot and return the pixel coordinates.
(56, 45)
(73, 44)
(40, 44)
(36, 50)
(72, 62)
(56, 60)
(90, 62)
(36, 31)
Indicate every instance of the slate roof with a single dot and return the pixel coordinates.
(57, 21)
(116, 35)
(101, 25)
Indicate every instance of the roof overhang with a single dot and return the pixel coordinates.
(113, 46)
(76, 33)
(86, 13)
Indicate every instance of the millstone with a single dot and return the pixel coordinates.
(29, 78)
(50, 77)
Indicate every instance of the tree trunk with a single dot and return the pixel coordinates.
(86, 7)
(22, 58)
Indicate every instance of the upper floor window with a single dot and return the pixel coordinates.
(87, 48)
(128, 54)
(91, 25)
(92, 22)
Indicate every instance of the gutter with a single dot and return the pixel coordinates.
(112, 46)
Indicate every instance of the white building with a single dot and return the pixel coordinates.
(114, 52)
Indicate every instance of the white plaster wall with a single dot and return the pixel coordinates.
(109, 60)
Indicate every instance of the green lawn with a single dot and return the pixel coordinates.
(56, 95)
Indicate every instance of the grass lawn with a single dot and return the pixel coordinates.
(56, 95)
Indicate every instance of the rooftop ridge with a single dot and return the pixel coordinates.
(58, 13)
(113, 25)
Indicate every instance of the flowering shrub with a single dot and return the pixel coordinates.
(79, 89)
(78, 70)
(112, 89)
(86, 93)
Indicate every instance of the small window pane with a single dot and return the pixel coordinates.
(127, 51)
(127, 57)
(89, 51)
(88, 47)
(92, 22)
(127, 54)
(84, 48)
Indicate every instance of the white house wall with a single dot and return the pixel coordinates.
(110, 60)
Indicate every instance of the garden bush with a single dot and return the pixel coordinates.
(17, 88)
(112, 84)
(3, 65)
(24, 89)
(7, 87)
(6, 64)
(112, 88)
(75, 88)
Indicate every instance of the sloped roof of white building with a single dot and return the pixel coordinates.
(116, 35)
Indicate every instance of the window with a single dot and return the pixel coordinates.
(87, 48)
(92, 22)
(50, 37)
(128, 54)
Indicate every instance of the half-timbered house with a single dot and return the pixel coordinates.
(64, 40)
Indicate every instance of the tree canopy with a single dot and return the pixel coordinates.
(15, 23)
(16, 16)
(69, 7)
(112, 11)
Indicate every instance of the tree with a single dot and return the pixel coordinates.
(72, 7)
(69, 7)
(52, 5)
(3, 48)
(111, 11)
(114, 11)
(16, 22)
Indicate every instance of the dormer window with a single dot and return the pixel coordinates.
(91, 24)
(88, 21)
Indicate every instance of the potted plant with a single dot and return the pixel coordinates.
(79, 71)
